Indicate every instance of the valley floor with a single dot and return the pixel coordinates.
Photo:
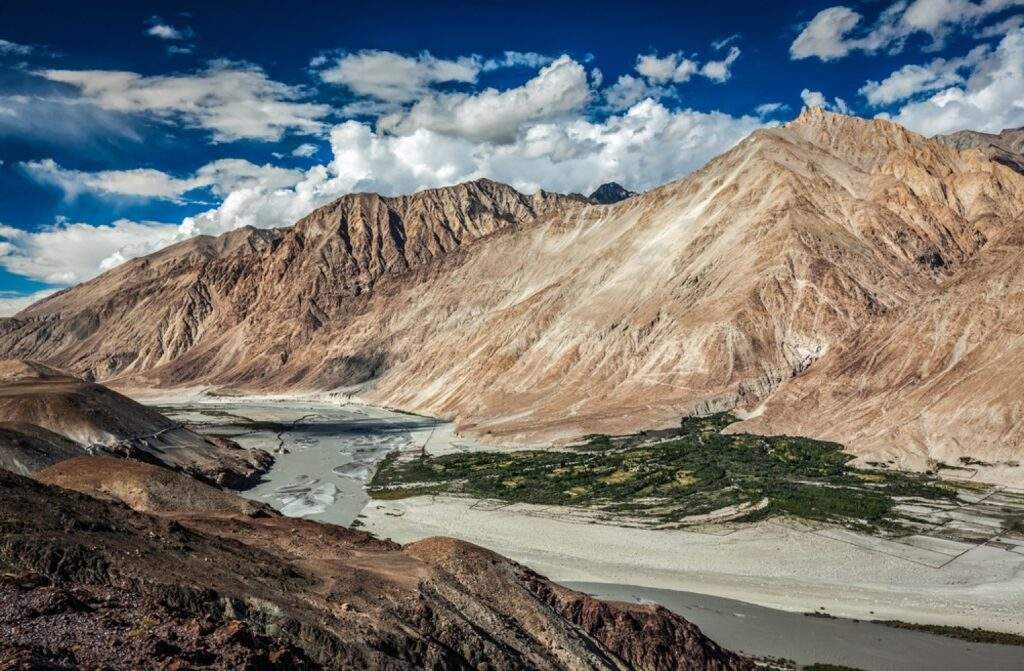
(327, 451)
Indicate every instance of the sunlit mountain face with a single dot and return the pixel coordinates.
(125, 129)
(512, 336)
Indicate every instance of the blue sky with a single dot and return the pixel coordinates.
(126, 129)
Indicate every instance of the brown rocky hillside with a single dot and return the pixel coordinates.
(87, 583)
(833, 277)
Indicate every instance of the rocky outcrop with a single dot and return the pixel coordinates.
(67, 625)
(223, 591)
(641, 636)
(55, 416)
(805, 248)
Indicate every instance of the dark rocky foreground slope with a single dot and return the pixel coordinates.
(145, 487)
(26, 448)
(89, 583)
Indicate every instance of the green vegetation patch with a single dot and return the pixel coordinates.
(961, 633)
(665, 477)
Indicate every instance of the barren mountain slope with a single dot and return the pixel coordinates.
(121, 589)
(705, 294)
(145, 487)
(26, 448)
(94, 417)
(1006, 147)
(234, 308)
(936, 380)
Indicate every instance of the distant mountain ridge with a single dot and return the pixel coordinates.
(1006, 147)
(851, 253)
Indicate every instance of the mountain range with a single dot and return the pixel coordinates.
(833, 277)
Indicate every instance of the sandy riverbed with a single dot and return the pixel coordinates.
(325, 449)
(779, 564)
(330, 449)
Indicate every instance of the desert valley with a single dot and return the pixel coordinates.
(832, 309)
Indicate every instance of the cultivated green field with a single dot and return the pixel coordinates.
(669, 477)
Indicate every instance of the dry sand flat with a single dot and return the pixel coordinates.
(779, 564)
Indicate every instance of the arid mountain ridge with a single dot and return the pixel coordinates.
(833, 277)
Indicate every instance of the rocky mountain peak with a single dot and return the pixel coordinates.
(837, 124)
(610, 192)
(810, 114)
(875, 145)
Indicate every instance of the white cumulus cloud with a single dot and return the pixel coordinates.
(989, 98)
(221, 177)
(719, 71)
(165, 32)
(560, 88)
(66, 253)
(139, 182)
(766, 109)
(304, 150)
(913, 79)
(671, 68)
(232, 100)
(836, 31)
(576, 155)
(677, 68)
(393, 77)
